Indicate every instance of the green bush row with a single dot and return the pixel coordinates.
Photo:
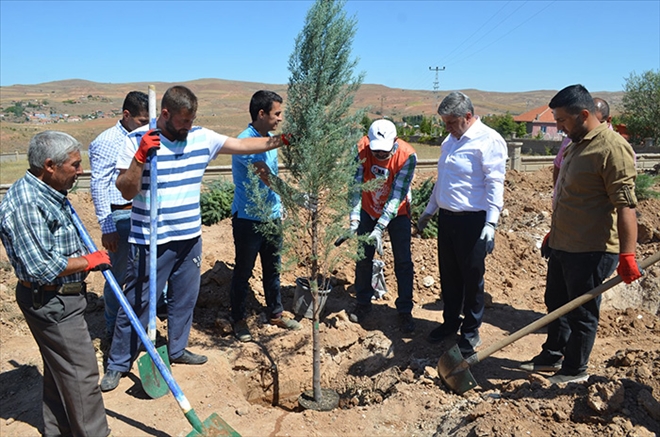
(215, 201)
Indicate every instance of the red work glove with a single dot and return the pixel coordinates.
(628, 268)
(545, 249)
(150, 140)
(98, 260)
(287, 139)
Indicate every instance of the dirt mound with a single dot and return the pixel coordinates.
(388, 384)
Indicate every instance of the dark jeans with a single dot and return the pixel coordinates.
(399, 230)
(461, 258)
(119, 258)
(178, 266)
(249, 242)
(72, 402)
(570, 275)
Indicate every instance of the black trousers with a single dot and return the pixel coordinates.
(571, 275)
(461, 258)
(72, 402)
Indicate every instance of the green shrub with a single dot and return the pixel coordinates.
(643, 185)
(420, 198)
(215, 201)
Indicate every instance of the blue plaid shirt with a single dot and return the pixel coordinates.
(102, 160)
(38, 233)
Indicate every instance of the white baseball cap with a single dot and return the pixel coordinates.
(381, 135)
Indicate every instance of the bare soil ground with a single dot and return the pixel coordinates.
(388, 383)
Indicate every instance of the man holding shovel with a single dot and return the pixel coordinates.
(51, 264)
(593, 227)
(184, 152)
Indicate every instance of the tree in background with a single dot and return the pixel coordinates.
(321, 160)
(641, 106)
(504, 125)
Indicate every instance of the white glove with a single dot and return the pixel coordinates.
(488, 236)
(377, 237)
(423, 221)
(354, 226)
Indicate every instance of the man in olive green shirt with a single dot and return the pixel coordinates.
(593, 226)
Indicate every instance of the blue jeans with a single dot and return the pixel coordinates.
(461, 259)
(570, 275)
(122, 219)
(179, 267)
(249, 242)
(399, 230)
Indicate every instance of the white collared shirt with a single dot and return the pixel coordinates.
(471, 173)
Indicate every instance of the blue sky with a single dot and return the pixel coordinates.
(488, 45)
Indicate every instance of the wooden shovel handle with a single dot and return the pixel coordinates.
(570, 306)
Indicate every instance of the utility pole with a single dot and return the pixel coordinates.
(436, 88)
(436, 83)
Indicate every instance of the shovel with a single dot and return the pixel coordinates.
(455, 370)
(214, 426)
(152, 380)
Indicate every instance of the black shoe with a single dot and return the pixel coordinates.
(359, 314)
(563, 377)
(110, 380)
(543, 362)
(440, 333)
(188, 357)
(406, 323)
(161, 313)
(467, 344)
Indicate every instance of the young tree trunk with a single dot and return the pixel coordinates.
(314, 287)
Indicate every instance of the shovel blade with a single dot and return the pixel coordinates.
(455, 372)
(152, 381)
(214, 426)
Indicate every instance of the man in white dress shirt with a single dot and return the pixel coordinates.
(468, 199)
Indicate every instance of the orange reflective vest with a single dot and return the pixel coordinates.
(374, 201)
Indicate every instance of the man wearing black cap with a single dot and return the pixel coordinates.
(393, 161)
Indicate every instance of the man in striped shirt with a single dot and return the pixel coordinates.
(184, 152)
(392, 161)
(51, 264)
(112, 210)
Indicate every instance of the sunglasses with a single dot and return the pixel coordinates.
(380, 154)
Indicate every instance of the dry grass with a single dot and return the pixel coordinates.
(223, 105)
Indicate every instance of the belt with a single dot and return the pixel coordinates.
(68, 288)
(120, 207)
(447, 212)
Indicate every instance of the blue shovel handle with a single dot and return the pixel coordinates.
(151, 349)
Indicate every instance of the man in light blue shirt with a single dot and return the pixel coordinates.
(468, 197)
(266, 114)
(113, 212)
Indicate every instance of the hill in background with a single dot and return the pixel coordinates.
(223, 105)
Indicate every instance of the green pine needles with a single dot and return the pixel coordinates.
(320, 160)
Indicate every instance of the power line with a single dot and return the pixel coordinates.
(464, 41)
(503, 36)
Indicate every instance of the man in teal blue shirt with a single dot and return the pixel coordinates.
(266, 114)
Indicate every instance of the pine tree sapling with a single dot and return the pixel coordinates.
(320, 160)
